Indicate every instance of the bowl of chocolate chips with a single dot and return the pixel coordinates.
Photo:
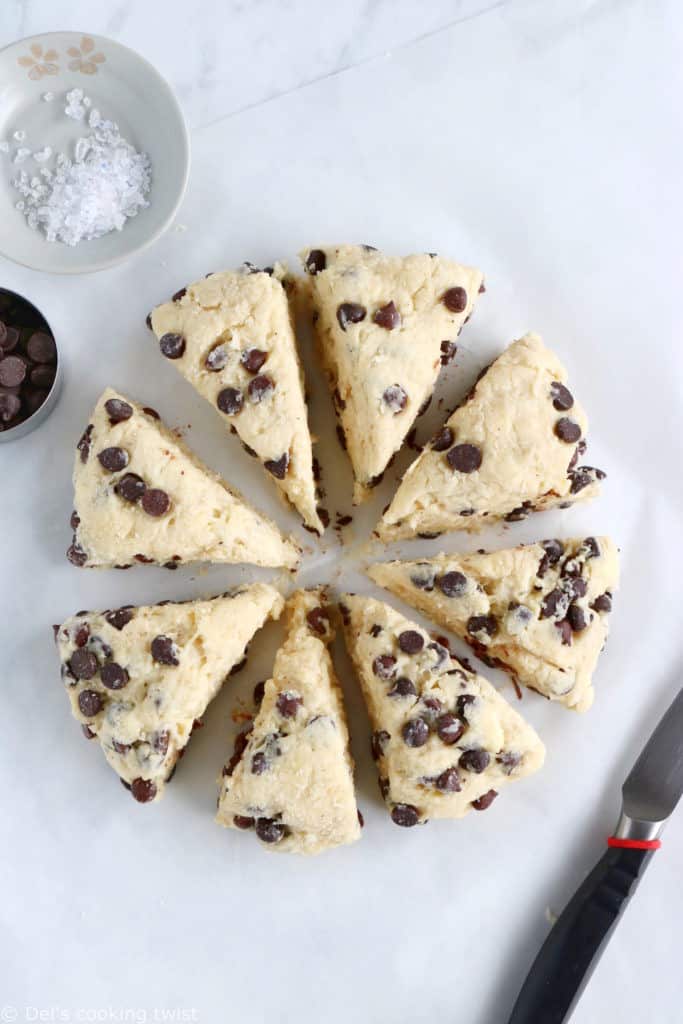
(29, 367)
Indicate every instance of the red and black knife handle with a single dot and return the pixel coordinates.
(579, 936)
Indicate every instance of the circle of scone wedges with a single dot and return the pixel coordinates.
(444, 740)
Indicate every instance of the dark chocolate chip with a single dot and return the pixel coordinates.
(508, 761)
(377, 743)
(387, 316)
(10, 406)
(443, 440)
(423, 577)
(113, 676)
(288, 704)
(375, 630)
(151, 412)
(155, 502)
(482, 624)
(13, 371)
(260, 387)
(319, 620)
(179, 294)
(485, 800)
(384, 666)
(520, 513)
(113, 459)
(270, 831)
(76, 555)
(118, 410)
(576, 618)
(278, 467)
(316, 261)
(350, 313)
(452, 584)
(395, 398)
(565, 631)
(561, 396)
(241, 821)
(448, 781)
(259, 763)
(89, 703)
(449, 728)
(410, 641)
(583, 476)
(119, 618)
(130, 487)
(403, 687)
(603, 603)
(259, 692)
(448, 351)
(217, 358)
(441, 652)
(88, 733)
(43, 376)
(41, 348)
(230, 401)
(415, 732)
(148, 321)
(465, 458)
(83, 664)
(567, 430)
(551, 602)
(164, 650)
(455, 299)
(143, 790)
(405, 815)
(252, 359)
(475, 760)
(11, 340)
(172, 345)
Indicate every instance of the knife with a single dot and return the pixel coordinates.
(576, 942)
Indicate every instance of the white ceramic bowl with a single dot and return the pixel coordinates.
(125, 88)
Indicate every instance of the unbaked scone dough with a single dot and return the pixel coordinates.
(140, 495)
(538, 611)
(384, 327)
(139, 678)
(510, 449)
(231, 337)
(444, 740)
(291, 778)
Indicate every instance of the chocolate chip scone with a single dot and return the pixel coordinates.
(384, 327)
(140, 678)
(231, 337)
(290, 779)
(140, 495)
(444, 740)
(539, 611)
(509, 450)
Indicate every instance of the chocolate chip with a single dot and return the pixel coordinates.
(565, 631)
(76, 555)
(144, 790)
(155, 502)
(146, 561)
(113, 676)
(118, 410)
(83, 664)
(179, 294)
(88, 733)
(172, 345)
(130, 487)
(151, 412)
(395, 398)
(230, 401)
(583, 476)
(164, 650)
(487, 624)
(270, 831)
(81, 635)
(252, 359)
(590, 548)
(43, 376)
(375, 630)
(316, 261)
(10, 406)
(485, 800)
(259, 763)
(259, 692)
(403, 687)
(551, 603)
(378, 741)
(423, 577)
(578, 587)
(113, 459)
(449, 729)
(119, 618)
(508, 761)
(452, 584)
(520, 513)
(475, 760)
(11, 340)
(410, 641)
(13, 371)
(603, 603)
(415, 732)
(448, 781)
(441, 652)
(288, 703)
(384, 666)
(241, 821)
(576, 618)
(350, 313)
(41, 348)
(148, 321)
(405, 815)
(443, 440)
(567, 430)
(387, 316)
(260, 387)
(89, 703)
(319, 620)
(278, 467)
(561, 396)
(455, 299)
(465, 458)
(448, 351)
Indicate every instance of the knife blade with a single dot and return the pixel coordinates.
(571, 951)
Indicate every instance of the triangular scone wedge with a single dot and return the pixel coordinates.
(140, 495)
(510, 449)
(231, 336)
(291, 776)
(139, 678)
(444, 740)
(538, 611)
(384, 327)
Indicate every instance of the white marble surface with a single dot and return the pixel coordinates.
(539, 141)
